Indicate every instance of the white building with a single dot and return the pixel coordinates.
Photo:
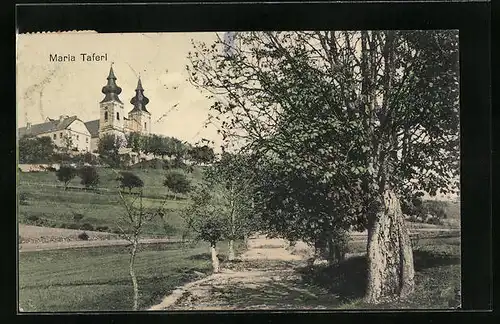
(112, 120)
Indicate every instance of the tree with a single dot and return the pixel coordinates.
(89, 176)
(35, 149)
(205, 216)
(108, 149)
(382, 95)
(177, 182)
(201, 154)
(65, 174)
(229, 176)
(130, 180)
(131, 224)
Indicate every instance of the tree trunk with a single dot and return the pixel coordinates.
(390, 256)
(132, 275)
(231, 255)
(331, 252)
(215, 259)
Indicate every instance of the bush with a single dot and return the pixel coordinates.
(33, 218)
(130, 181)
(77, 217)
(83, 236)
(65, 174)
(102, 228)
(177, 182)
(89, 176)
(87, 227)
(72, 226)
(23, 198)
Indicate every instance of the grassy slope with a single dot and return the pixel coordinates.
(97, 279)
(99, 209)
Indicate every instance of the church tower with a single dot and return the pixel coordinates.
(111, 108)
(139, 117)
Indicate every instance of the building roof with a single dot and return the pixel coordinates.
(93, 127)
(51, 125)
(139, 100)
(111, 90)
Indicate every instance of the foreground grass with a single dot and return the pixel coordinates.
(97, 279)
(437, 279)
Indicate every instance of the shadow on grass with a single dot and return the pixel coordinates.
(348, 279)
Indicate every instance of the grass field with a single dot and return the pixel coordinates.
(97, 279)
(54, 207)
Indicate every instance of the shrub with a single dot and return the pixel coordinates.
(83, 236)
(33, 218)
(130, 180)
(102, 228)
(65, 174)
(72, 226)
(89, 176)
(77, 217)
(177, 182)
(23, 198)
(87, 227)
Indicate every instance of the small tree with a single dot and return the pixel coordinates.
(177, 182)
(130, 181)
(89, 176)
(131, 224)
(205, 216)
(65, 174)
(108, 149)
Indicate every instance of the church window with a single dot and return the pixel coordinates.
(145, 126)
(60, 135)
(55, 136)
(105, 116)
(117, 116)
(86, 140)
(77, 137)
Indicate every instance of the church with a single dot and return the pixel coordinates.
(85, 136)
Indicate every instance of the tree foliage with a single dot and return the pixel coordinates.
(108, 149)
(130, 180)
(65, 174)
(177, 182)
(89, 176)
(35, 149)
(356, 116)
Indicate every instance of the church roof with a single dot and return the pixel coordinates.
(139, 100)
(51, 125)
(93, 127)
(111, 90)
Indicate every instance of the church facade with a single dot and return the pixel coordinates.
(113, 119)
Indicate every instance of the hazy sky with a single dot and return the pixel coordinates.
(74, 88)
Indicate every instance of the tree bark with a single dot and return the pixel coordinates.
(390, 256)
(231, 255)
(132, 275)
(215, 259)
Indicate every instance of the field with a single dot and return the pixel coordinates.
(46, 204)
(97, 279)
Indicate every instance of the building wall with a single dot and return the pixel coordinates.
(80, 135)
(77, 131)
(139, 122)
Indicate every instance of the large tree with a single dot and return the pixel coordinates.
(36, 149)
(375, 113)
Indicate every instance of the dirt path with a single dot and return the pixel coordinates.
(266, 271)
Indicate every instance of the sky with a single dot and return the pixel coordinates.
(74, 88)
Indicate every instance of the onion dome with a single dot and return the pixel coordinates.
(111, 90)
(139, 100)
